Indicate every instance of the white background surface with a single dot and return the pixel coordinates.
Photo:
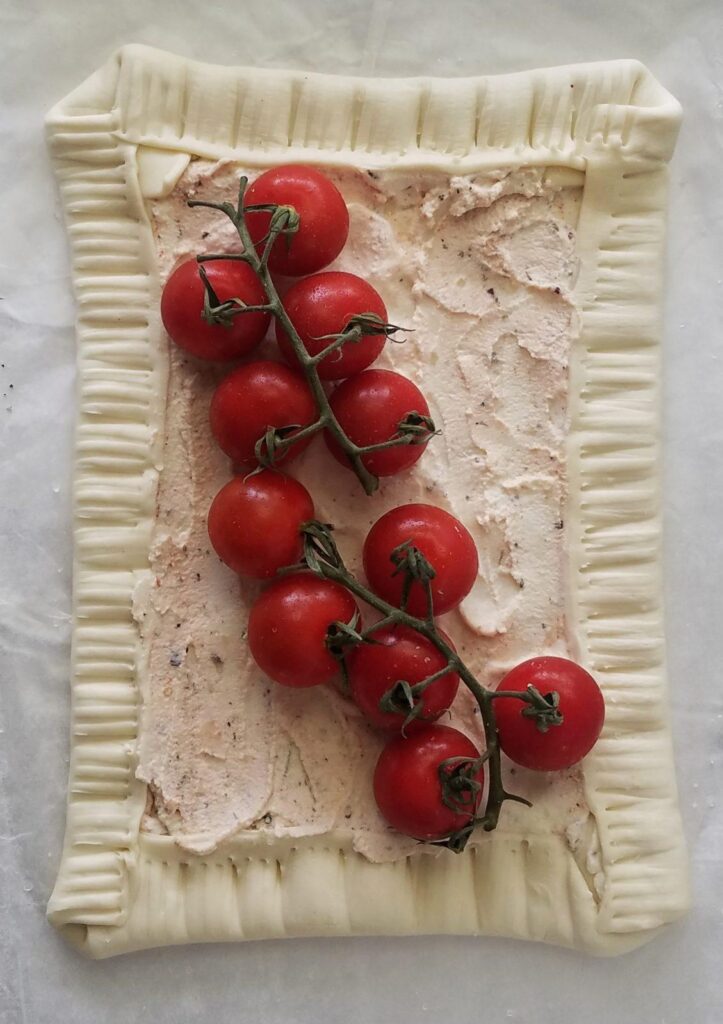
(48, 47)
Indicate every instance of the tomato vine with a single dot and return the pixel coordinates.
(322, 557)
(460, 777)
(414, 429)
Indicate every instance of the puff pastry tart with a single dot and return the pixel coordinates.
(514, 226)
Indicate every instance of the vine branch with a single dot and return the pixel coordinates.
(284, 222)
(322, 557)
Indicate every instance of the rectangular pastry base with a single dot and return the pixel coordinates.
(124, 136)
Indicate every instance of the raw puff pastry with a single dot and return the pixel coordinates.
(126, 135)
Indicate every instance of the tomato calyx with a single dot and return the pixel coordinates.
(461, 791)
(543, 708)
(457, 841)
(284, 221)
(408, 559)
(340, 636)
(405, 698)
(222, 312)
(362, 325)
(274, 444)
(460, 786)
(414, 428)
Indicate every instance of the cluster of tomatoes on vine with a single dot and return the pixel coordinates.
(263, 415)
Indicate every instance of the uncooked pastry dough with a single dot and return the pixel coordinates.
(125, 136)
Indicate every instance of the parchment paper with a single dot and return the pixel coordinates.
(49, 47)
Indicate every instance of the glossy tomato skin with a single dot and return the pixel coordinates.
(288, 626)
(407, 788)
(323, 305)
(369, 408)
(324, 218)
(254, 521)
(581, 703)
(444, 542)
(398, 652)
(254, 397)
(182, 305)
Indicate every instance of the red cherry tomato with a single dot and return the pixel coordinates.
(323, 305)
(446, 544)
(581, 704)
(324, 218)
(369, 408)
(408, 789)
(182, 305)
(254, 521)
(399, 653)
(288, 628)
(253, 398)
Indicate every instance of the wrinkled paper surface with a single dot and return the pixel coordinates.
(47, 49)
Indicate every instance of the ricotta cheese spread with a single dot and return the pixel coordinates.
(480, 269)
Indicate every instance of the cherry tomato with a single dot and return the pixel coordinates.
(399, 653)
(446, 544)
(323, 224)
(323, 305)
(581, 704)
(288, 627)
(254, 521)
(369, 408)
(408, 789)
(182, 305)
(255, 397)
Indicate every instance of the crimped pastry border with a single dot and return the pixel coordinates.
(118, 889)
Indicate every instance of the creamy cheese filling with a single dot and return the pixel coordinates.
(481, 268)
